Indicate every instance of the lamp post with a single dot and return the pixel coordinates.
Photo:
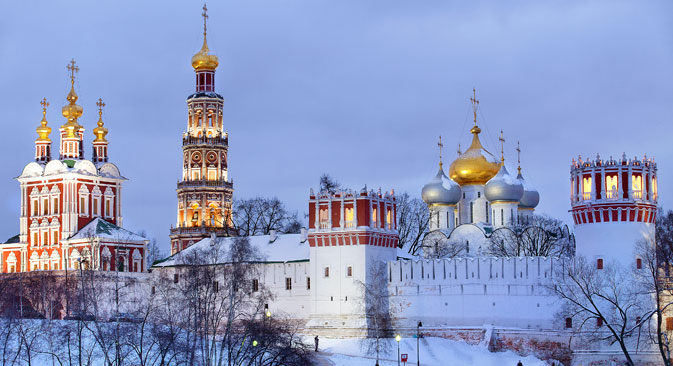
(398, 339)
(418, 343)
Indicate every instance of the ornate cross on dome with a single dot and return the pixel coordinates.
(73, 69)
(459, 152)
(440, 150)
(44, 105)
(205, 17)
(100, 106)
(475, 103)
(502, 147)
(518, 157)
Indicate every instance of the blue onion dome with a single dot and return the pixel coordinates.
(441, 190)
(503, 187)
(531, 197)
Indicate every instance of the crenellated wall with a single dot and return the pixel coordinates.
(473, 292)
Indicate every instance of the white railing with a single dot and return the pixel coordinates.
(586, 196)
(324, 224)
(612, 194)
(637, 195)
(350, 224)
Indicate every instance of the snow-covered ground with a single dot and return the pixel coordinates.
(434, 352)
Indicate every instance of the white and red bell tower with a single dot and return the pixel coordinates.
(614, 205)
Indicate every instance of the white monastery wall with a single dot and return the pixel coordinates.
(505, 292)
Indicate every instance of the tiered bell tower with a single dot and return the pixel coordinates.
(205, 191)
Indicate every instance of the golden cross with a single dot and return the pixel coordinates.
(475, 103)
(73, 69)
(100, 106)
(440, 149)
(502, 147)
(518, 157)
(205, 16)
(44, 104)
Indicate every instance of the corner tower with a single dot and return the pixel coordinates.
(614, 204)
(205, 191)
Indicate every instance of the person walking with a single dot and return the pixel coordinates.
(317, 340)
(519, 364)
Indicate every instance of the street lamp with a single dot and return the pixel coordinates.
(398, 339)
(418, 343)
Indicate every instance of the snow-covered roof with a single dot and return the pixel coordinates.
(99, 228)
(286, 248)
(83, 166)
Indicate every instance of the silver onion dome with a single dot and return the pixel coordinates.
(503, 187)
(531, 197)
(441, 190)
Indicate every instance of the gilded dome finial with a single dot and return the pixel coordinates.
(475, 104)
(502, 148)
(43, 130)
(440, 151)
(72, 111)
(202, 60)
(100, 132)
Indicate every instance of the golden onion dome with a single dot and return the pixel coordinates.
(203, 60)
(100, 132)
(43, 130)
(71, 112)
(476, 165)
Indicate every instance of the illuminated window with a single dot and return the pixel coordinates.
(35, 239)
(45, 236)
(611, 186)
(212, 174)
(349, 217)
(324, 218)
(55, 237)
(586, 188)
(637, 186)
(45, 206)
(35, 208)
(654, 188)
(56, 205)
(389, 219)
(107, 208)
(196, 175)
(95, 207)
(374, 217)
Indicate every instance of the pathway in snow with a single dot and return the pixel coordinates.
(321, 359)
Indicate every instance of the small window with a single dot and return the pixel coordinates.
(46, 239)
(569, 322)
(288, 283)
(326, 271)
(308, 283)
(45, 207)
(56, 205)
(35, 208)
(154, 290)
(599, 263)
(107, 208)
(669, 323)
(216, 286)
(55, 238)
(478, 194)
(95, 207)
(176, 278)
(255, 285)
(349, 271)
(639, 263)
(599, 322)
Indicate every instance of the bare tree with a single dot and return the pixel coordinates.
(538, 235)
(376, 305)
(259, 216)
(412, 222)
(437, 245)
(329, 184)
(600, 305)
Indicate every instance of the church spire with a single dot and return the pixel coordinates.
(203, 60)
(71, 131)
(100, 143)
(43, 142)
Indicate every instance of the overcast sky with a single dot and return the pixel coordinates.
(357, 89)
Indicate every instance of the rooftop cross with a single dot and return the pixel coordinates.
(518, 157)
(502, 147)
(205, 17)
(73, 69)
(100, 106)
(475, 103)
(44, 105)
(440, 150)
(459, 152)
